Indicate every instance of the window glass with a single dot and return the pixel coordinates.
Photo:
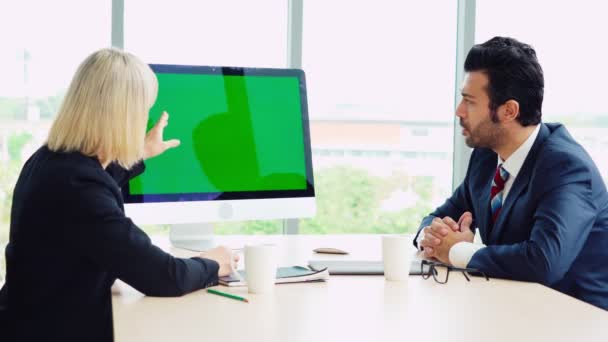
(573, 57)
(381, 96)
(43, 42)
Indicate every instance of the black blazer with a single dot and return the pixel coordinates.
(69, 240)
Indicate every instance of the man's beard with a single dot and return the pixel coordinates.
(486, 135)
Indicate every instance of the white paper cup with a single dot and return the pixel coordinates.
(260, 268)
(396, 257)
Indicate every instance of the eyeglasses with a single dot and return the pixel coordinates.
(437, 270)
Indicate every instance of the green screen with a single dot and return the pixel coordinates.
(238, 133)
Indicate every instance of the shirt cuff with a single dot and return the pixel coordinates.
(462, 252)
(420, 237)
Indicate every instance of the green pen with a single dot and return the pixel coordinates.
(224, 294)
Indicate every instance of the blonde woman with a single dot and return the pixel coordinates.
(69, 237)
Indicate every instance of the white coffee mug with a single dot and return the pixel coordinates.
(396, 257)
(260, 268)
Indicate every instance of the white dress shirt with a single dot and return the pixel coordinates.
(462, 252)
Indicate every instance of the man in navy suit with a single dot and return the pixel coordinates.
(533, 206)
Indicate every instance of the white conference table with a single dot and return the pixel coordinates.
(357, 308)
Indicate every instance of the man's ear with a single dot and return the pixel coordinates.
(509, 110)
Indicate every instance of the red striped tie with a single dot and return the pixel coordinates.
(498, 184)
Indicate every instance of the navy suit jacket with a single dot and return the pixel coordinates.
(553, 227)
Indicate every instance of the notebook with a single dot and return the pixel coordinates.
(357, 267)
(294, 274)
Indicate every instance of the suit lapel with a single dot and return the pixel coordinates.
(480, 191)
(485, 211)
(520, 183)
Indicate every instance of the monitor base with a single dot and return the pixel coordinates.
(192, 236)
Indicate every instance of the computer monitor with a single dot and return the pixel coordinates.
(245, 151)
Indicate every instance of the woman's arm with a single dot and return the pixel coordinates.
(99, 231)
(122, 175)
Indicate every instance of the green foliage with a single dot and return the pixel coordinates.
(8, 176)
(345, 202)
(16, 143)
(156, 229)
(423, 186)
(228, 228)
(9, 171)
(2, 264)
(349, 201)
(15, 107)
(12, 108)
(49, 105)
(250, 227)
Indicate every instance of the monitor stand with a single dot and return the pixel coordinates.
(192, 236)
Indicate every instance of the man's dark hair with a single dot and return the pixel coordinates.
(513, 74)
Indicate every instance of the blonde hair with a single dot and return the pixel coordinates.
(105, 110)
